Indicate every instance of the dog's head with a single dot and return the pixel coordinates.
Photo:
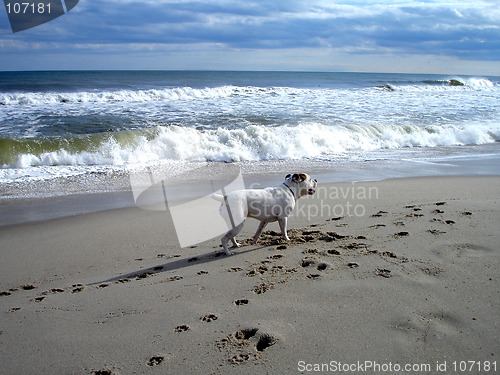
(305, 184)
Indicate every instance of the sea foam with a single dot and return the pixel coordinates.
(189, 93)
(128, 96)
(253, 143)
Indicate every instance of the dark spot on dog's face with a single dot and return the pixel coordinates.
(296, 177)
(299, 177)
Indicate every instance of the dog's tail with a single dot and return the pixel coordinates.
(218, 197)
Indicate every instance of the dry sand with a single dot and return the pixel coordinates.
(411, 277)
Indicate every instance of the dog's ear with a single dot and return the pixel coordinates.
(287, 176)
(298, 177)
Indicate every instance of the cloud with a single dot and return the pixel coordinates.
(461, 29)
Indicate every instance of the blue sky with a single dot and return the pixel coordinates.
(455, 36)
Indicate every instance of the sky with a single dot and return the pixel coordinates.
(447, 37)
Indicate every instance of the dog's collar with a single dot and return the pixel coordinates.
(291, 191)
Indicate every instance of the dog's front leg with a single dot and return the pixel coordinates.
(282, 223)
(259, 231)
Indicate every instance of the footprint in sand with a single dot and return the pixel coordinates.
(307, 262)
(414, 214)
(175, 278)
(401, 234)
(263, 288)
(155, 361)
(333, 252)
(77, 288)
(241, 302)
(265, 341)
(143, 275)
(239, 358)
(276, 256)
(102, 372)
(336, 218)
(209, 318)
(435, 231)
(322, 266)
(383, 272)
(22, 287)
(257, 271)
(313, 276)
(181, 328)
(246, 344)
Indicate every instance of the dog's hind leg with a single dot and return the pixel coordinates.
(259, 231)
(230, 236)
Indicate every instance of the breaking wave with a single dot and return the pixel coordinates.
(253, 143)
(453, 84)
(189, 93)
(128, 96)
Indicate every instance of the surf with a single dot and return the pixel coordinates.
(252, 143)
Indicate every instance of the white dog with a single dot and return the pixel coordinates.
(267, 205)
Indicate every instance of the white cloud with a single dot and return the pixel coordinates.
(457, 29)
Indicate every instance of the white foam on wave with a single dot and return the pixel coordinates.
(257, 143)
(189, 93)
(134, 96)
(451, 84)
(479, 83)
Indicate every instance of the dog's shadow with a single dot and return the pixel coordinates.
(177, 265)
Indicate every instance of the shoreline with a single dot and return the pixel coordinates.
(76, 196)
(415, 279)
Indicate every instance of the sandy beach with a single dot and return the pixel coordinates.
(395, 276)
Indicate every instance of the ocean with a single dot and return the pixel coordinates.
(78, 132)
